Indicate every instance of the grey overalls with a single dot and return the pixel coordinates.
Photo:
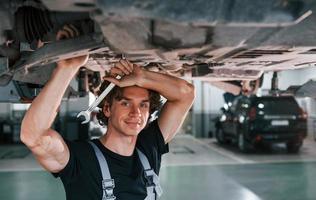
(151, 178)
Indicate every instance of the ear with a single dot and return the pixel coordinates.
(106, 109)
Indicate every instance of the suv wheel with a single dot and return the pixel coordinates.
(242, 143)
(293, 147)
(220, 136)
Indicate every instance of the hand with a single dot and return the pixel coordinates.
(70, 31)
(131, 74)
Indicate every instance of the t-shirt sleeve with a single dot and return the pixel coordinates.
(151, 137)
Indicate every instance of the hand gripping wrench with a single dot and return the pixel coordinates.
(86, 113)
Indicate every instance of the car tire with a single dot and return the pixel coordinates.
(242, 144)
(220, 136)
(293, 147)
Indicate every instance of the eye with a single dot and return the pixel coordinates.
(144, 105)
(125, 103)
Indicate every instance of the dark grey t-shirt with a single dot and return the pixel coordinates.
(82, 175)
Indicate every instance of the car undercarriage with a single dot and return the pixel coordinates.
(224, 42)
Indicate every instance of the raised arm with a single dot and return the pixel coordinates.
(46, 144)
(178, 92)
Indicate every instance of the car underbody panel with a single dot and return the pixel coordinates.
(214, 41)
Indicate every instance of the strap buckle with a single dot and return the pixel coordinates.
(108, 186)
(153, 180)
(149, 177)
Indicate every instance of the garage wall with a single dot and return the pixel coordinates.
(5, 109)
(290, 77)
(208, 101)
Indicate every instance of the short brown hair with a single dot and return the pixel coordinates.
(116, 93)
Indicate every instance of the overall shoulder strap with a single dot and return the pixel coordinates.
(107, 182)
(152, 180)
(143, 159)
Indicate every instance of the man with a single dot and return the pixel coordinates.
(126, 116)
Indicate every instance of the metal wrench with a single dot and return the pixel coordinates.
(86, 113)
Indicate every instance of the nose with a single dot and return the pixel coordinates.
(135, 111)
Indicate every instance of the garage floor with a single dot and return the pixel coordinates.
(194, 169)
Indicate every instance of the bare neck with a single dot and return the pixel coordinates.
(119, 143)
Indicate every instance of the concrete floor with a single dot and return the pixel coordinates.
(194, 169)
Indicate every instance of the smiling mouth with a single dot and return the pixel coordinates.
(133, 123)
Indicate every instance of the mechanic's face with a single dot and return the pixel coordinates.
(129, 115)
(247, 88)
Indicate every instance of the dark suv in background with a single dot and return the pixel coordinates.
(253, 120)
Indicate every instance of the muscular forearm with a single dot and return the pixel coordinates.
(172, 88)
(43, 110)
